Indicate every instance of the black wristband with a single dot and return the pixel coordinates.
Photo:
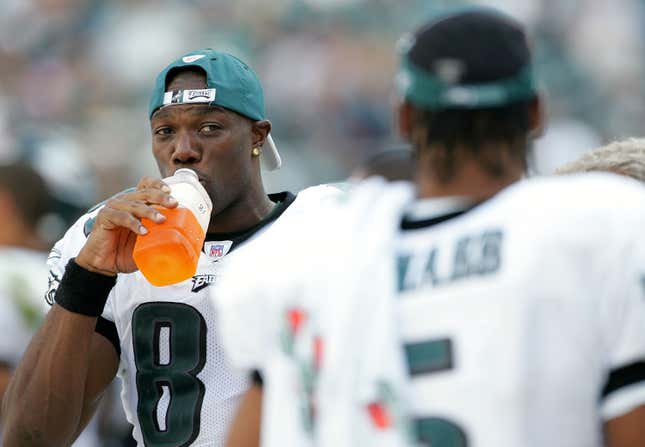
(83, 292)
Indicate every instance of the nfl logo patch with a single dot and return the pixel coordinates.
(216, 251)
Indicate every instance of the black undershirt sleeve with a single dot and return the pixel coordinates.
(256, 378)
(624, 376)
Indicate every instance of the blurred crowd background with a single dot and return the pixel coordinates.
(76, 74)
(75, 78)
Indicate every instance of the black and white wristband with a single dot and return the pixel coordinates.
(83, 292)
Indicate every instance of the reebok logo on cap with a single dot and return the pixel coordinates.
(193, 58)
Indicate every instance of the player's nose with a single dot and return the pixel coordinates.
(186, 150)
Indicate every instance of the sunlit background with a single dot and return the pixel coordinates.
(76, 74)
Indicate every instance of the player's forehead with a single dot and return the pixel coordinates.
(191, 111)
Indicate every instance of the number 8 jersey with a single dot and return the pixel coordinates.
(178, 387)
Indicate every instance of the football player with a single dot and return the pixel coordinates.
(475, 309)
(24, 200)
(207, 114)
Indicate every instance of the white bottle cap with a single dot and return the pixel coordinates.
(190, 194)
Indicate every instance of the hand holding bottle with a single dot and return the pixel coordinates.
(108, 249)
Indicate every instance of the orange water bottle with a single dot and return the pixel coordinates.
(169, 252)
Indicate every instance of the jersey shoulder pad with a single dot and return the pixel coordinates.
(69, 246)
(320, 193)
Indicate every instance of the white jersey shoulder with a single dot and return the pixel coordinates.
(66, 248)
(70, 245)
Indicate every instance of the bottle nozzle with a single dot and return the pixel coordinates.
(186, 172)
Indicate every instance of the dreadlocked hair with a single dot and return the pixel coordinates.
(477, 131)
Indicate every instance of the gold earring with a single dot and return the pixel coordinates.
(256, 152)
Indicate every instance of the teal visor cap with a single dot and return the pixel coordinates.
(230, 83)
(441, 87)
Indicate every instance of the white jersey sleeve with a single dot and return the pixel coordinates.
(255, 319)
(67, 248)
(247, 314)
(622, 317)
(262, 321)
(270, 319)
(250, 297)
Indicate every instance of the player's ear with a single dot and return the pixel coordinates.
(260, 130)
(537, 117)
(404, 120)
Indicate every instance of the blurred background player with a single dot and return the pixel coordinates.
(206, 114)
(519, 304)
(626, 157)
(24, 201)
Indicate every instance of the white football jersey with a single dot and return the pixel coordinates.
(178, 387)
(23, 277)
(523, 317)
(520, 320)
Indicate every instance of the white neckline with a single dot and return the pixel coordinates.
(428, 208)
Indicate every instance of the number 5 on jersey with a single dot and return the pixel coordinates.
(428, 357)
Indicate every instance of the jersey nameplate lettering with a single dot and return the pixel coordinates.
(472, 255)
